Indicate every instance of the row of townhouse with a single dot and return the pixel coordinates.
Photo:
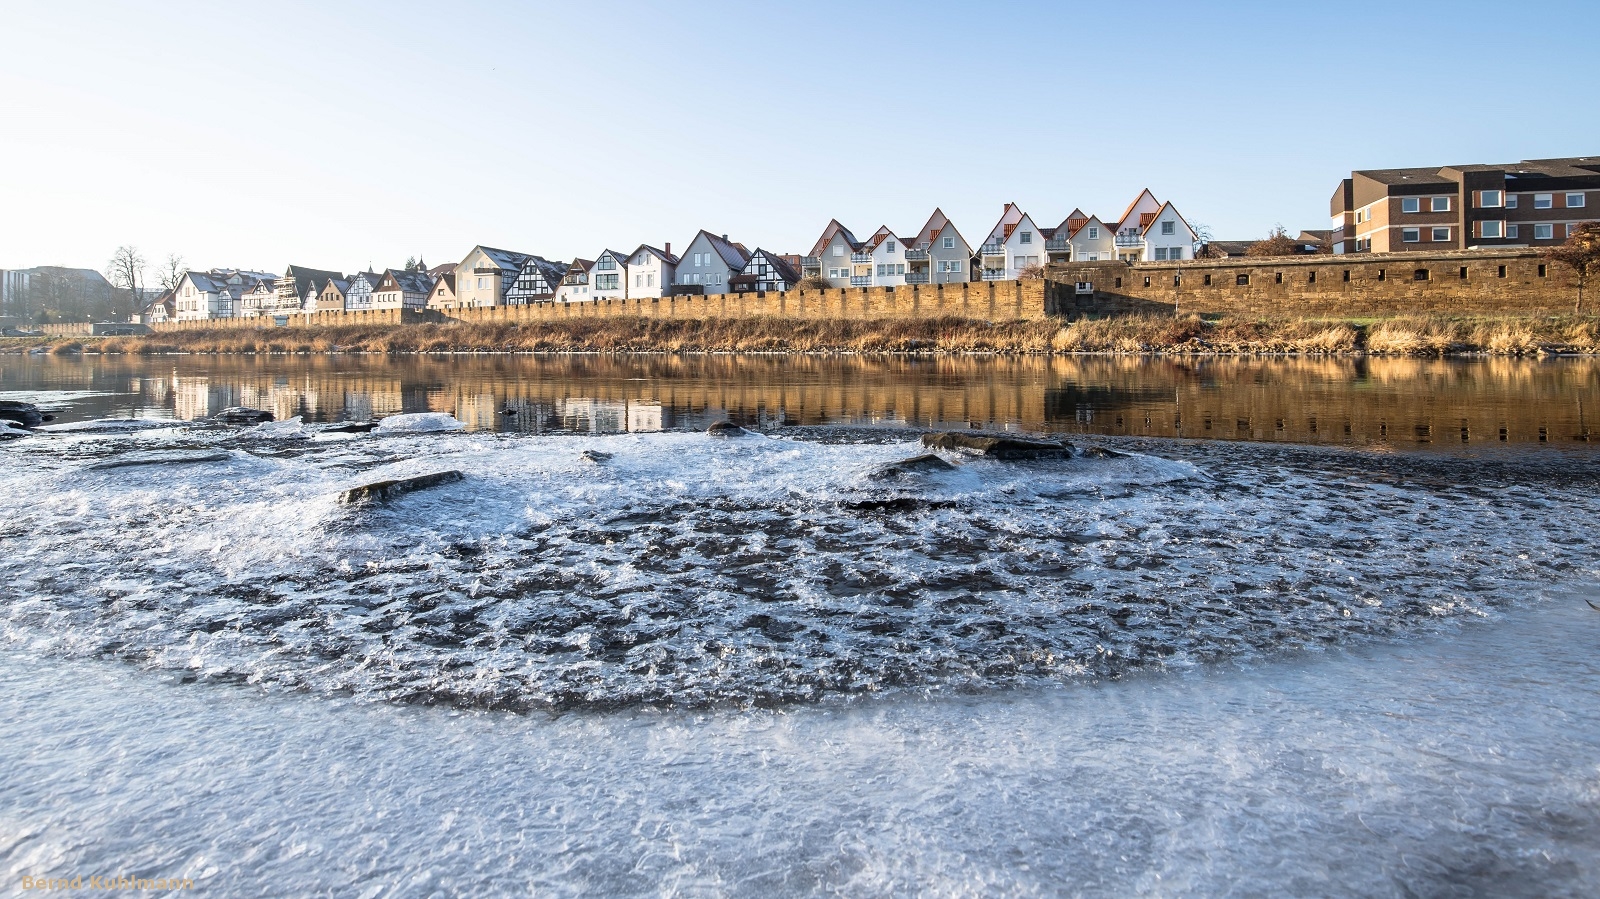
(1148, 230)
(711, 264)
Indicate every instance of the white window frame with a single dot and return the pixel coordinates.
(1410, 205)
(1169, 228)
(1094, 232)
(838, 249)
(1579, 196)
(1544, 201)
(1511, 201)
(1027, 237)
(1483, 199)
(1435, 204)
(1410, 235)
(1549, 232)
(1486, 225)
(949, 243)
(1437, 238)
(1511, 231)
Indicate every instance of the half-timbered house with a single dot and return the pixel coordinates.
(485, 276)
(765, 271)
(537, 282)
(359, 296)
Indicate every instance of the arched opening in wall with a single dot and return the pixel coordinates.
(1242, 280)
(1420, 274)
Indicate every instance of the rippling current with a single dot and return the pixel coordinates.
(687, 570)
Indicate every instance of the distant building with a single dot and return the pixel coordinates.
(1533, 203)
(709, 263)
(294, 286)
(219, 293)
(939, 254)
(574, 286)
(1014, 245)
(609, 276)
(765, 272)
(830, 256)
(486, 276)
(652, 271)
(403, 289)
(537, 282)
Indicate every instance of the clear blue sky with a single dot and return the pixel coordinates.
(337, 134)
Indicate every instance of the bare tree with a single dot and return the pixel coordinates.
(1202, 239)
(172, 272)
(1581, 253)
(126, 272)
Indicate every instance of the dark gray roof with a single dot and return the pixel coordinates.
(659, 254)
(1406, 176)
(781, 265)
(733, 255)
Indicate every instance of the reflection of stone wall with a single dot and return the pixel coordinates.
(1364, 285)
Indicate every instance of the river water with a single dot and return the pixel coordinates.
(1337, 645)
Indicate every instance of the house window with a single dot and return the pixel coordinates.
(1441, 234)
(1574, 201)
(1027, 237)
(1380, 274)
(1161, 254)
(1544, 232)
(1094, 233)
(1489, 229)
(838, 250)
(1411, 204)
(482, 283)
(899, 269)
(650, 280)
(1511, 231)
(638, 280)
(1511, 201)
(1347, 274)
(1169, 228)
(1488, 199)
(889, 245)
(1410, 235)
(949, 243)
(1571, 227)
(1543, 201)
(1440, 204)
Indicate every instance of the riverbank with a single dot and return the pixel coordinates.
(1133, 334)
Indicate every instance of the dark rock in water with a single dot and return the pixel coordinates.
(160, 459)
(25, 414)
(726, 429)
(926, 463)
(898, 504)
(9, 431)
(351, 427)
(380, 491)
(243, 415)
(997, 446)
(1100, 452)
(595, 456)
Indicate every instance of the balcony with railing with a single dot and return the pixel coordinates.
(811, 262)
(1129, 239)
(1057, 245)
(916, 255)
(860, 257)
(860, 280)
(994, 274)
(994, 248)
(918, 277)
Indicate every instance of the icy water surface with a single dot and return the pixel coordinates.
(1460, 764)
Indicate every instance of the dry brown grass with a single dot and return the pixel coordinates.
(1413, 336)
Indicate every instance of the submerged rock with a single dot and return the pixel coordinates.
(926, 463)
(160, 459)
(726, 429)
(25, 414)
(996, 446)
(595, 456)
(418, 423)
(1100, 452)
(380, 491)
(243, 415)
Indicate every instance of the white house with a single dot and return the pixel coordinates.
(830, 256)
(575, 283)
(939, 255)
(214, 293)
(260, 299)
(402, 289)
(651, 271)
(538, 282)
(1013, 245)
(884, 255)
(608, 278)
(486, 275)
(765, 271)
(1130, 227)
(1167, 237)
(708, 264)
(359, 296)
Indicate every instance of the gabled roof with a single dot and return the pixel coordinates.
(405, 281)
(619, 258)
(878, 237)
(581, 265)
(733, 255)
(827, 237)
(1003, 230)
(507, 260)
(553, 272)
(340, 284)
(1144, 226)
(1084, 224)
(305, 277)
(1129, 211)
(785, 270)
(659, 254)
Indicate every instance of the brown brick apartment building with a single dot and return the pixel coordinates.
(1533, 203)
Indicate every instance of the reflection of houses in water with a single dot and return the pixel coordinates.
(611, 416)
(478, 411)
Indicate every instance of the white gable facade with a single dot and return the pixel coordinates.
(651, 271)
(608, 279)
(1093, 242)
(1168, 238)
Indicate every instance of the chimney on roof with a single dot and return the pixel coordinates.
(668, 249)
(724, 237)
